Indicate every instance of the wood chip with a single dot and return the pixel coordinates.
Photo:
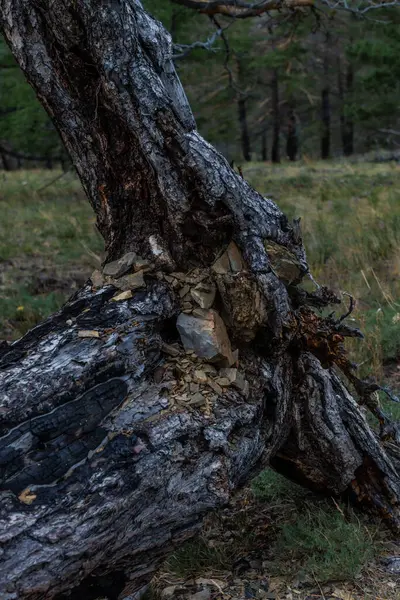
(27, 496)
(88, 333)
(122, 296)
(214, 386)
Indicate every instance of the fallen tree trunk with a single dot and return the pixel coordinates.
(105, 471)
(113, 445)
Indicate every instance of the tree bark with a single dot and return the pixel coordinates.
(264, 148)
(276, 123)
(346, 122)
(244, 131)
(326, 108)
(292, 140)
(103, 470)
(241, 99)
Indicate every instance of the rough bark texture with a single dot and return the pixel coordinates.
(276, 118)
(101, 473)
(244, 131)
(292, 138)
(346, 122)
(264, 148)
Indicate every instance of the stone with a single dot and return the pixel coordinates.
(230, 374)
(207, 336)
(169, 349)
(121, 266)
(142, 265)
(200, 312)
(197, 400)
(183, 291)
(222, 264)
(133, 281)
(214, 386)
(230, 261)
(200, 376)
(235, 258)
(223, 381)
(235, 378)
(204, 294)
(97, 278)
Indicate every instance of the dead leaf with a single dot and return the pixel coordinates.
(122, 296)
(88, 333)
(27, 496)
(220, 585)
(342, 594)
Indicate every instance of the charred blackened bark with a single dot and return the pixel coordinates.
(104, 470)
(276, 123)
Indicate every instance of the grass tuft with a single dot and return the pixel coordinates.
(325, 544)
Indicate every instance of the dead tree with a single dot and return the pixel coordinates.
(115, 438)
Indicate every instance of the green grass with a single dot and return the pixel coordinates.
(46, 234)
(324, 544)
(269, 486)
(309, 538)
(351, 230)
(319, 539)
(196, 557)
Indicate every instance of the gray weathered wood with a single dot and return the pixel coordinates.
(101, 473)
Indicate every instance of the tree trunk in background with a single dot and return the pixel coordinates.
(242, 114)
(244, 132)
(174, 23)
(103, 469)
(326, 107)
(292, 140)
(10, 161)
(276, 124)
(264, 148)
(346, 122)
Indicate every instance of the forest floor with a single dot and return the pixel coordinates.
(275, 540)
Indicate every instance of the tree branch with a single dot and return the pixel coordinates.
(240, 9)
